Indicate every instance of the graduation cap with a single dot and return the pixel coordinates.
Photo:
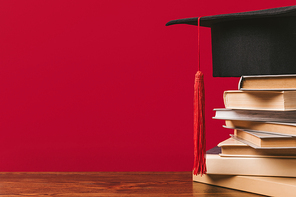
(259, 42)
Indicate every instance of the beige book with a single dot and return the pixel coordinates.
(270, 186)
(254, 166)
(260, 100)
(283, 128)
(262, 139)
(268, 82)
(234, 148)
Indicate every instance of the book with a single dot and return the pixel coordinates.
(256, 115)
(232, 147)
(253, 166)
(260, 100)
(263, 139)
(273, 127)
(267, 82)
(270, 186)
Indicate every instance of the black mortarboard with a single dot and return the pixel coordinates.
(260, 42)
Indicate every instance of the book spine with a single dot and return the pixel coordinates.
(240, 83)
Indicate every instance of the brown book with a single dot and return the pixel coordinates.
(268, 82)
(234, 148)
(253, 166)
(273, 127)
(263, 139)
(270, 186)
(260, 100)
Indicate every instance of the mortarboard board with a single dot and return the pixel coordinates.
(259, 42)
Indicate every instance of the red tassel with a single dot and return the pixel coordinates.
(199, 126)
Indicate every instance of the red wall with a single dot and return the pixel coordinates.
(103, 85)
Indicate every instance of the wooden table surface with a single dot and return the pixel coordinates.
(108, 184)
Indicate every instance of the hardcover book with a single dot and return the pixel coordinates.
(270, 186)
(253, 166)
(256, 115)
(232, 147)
(260, 100)
(272, 127)
(267, 82)
(265, 140)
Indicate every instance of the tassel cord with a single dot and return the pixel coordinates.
(199, 166)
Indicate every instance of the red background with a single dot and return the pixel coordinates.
(104, 85)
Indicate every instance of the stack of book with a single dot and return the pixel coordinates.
(260, 155)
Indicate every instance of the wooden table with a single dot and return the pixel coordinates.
(108, 184)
